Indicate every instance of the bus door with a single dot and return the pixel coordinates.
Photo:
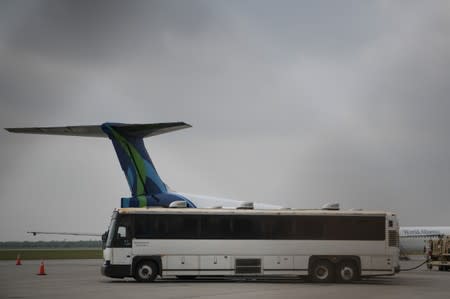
(121, 251)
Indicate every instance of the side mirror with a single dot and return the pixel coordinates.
(104, 238)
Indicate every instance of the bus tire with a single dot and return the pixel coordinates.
(347, 271)
(146, 271)
(322, 271)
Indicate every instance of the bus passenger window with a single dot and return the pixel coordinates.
(122, 238)
(122, 232)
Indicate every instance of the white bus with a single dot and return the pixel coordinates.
(325, 246)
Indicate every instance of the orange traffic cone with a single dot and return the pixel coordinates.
(42, 269)
(18, 261)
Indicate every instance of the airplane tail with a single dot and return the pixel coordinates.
(147, 188)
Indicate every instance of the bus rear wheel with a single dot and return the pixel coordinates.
(347, 271)
(322, 271)
(146, 271)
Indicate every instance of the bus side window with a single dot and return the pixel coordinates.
(123, 237)
(122, 232)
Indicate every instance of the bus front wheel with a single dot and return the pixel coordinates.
(146, 271)
(322, 271)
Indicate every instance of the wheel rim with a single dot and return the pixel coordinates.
(321, 272)
(347, 273)
(145, 271)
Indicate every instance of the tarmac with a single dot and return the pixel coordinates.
(82, 279)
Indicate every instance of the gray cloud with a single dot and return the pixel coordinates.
(87, 32)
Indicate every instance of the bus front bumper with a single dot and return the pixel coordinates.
(115, 271)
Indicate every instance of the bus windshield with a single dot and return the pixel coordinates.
(112, 229)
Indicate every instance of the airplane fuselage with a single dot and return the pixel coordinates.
(413, 238)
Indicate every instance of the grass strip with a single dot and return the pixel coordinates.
(50, 254)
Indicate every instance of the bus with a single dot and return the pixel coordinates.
(321, 245)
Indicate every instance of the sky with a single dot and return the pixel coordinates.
(294, 103)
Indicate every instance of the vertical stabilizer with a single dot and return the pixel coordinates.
(135, 161)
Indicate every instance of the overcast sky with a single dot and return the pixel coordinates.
(296, 103)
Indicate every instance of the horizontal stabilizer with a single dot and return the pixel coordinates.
(135, 130)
